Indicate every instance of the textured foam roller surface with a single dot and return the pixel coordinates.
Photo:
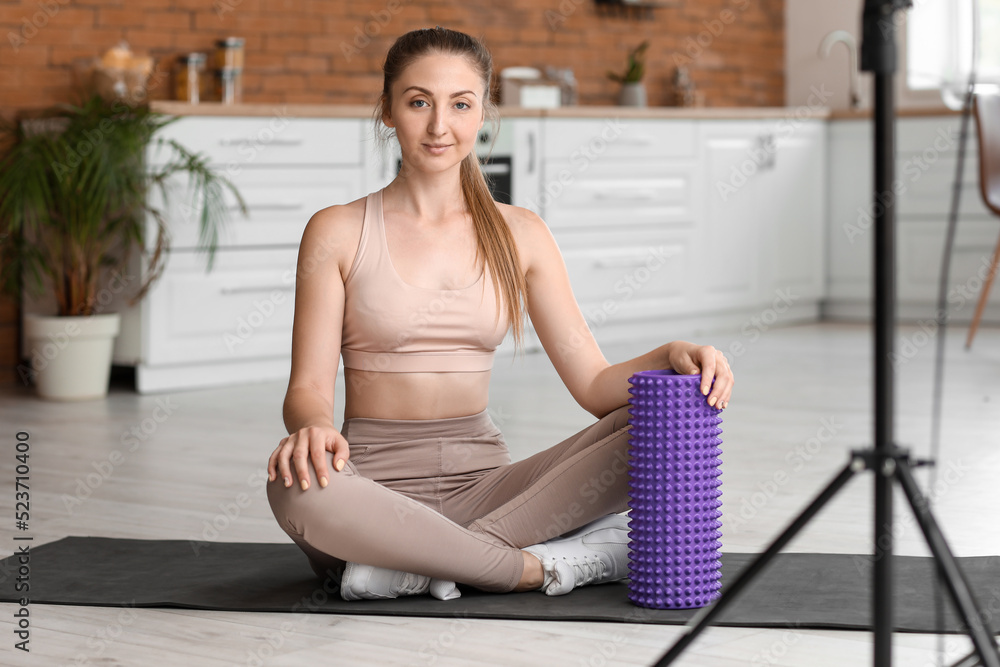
(674, 558)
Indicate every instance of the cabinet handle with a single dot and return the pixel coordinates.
(641, 140)
(626, 195)
(248, 289)
(623, 262)
(531, 152)
(276, 141)
(271, 206)
(767, 145)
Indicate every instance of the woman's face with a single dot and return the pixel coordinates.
(437, 110)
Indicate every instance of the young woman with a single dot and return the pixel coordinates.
(415, 286)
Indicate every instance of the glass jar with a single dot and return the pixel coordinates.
(229, 53)
(229, 85)
(189, 77)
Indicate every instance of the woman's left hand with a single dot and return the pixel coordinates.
(688, 358)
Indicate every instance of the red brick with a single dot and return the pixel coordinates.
(169, 20)
(140, 39)
(121, 17)
(307, 63)
(31, 54)
(65, 54)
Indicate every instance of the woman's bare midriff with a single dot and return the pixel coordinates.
(414, 395)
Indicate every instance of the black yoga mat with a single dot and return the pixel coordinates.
(830, 591)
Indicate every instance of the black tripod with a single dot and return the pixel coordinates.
(886, 460)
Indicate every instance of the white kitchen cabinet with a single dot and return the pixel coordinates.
(734, 219)
(792, 255)
(927, 153)
(730, 213)
(655, 243)
(763, 227)
(233, 323)
(622, 200)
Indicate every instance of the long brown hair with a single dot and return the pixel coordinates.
(494, 240)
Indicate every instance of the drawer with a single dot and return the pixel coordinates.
(587, 141)
(279, 204)
(616, 277)
(928, 187)
(242, 309)
(236, 143)
(636, 192)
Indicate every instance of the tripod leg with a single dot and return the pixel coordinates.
(958, 586)
(704, 618)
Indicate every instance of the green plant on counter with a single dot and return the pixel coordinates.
(74, 202)
(636, 66)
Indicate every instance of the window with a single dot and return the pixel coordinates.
(939, 46)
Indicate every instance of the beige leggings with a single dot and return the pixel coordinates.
(440, 497)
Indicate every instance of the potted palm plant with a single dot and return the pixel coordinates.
(633, 91)
(74, 207)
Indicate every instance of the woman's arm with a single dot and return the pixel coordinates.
(599, 387)
(316, 338)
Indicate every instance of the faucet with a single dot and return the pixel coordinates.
(852, 51)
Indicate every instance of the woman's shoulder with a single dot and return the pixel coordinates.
(530, 231)
(521, 220)
(338, 219)
(334, 232)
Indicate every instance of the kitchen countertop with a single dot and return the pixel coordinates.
(865, 114)
(364, 111)
(715, 113)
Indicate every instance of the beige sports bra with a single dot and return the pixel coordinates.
(394, 327)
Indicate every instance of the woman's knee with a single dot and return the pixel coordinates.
(294, 508)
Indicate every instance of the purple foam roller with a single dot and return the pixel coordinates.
(674, 558)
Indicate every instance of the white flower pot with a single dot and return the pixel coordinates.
(71, 356)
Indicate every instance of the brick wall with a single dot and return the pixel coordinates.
(327, 51)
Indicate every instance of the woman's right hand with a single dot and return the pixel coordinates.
(307, 444)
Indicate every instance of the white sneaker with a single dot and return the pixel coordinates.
(366, 582)
(593, 554)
